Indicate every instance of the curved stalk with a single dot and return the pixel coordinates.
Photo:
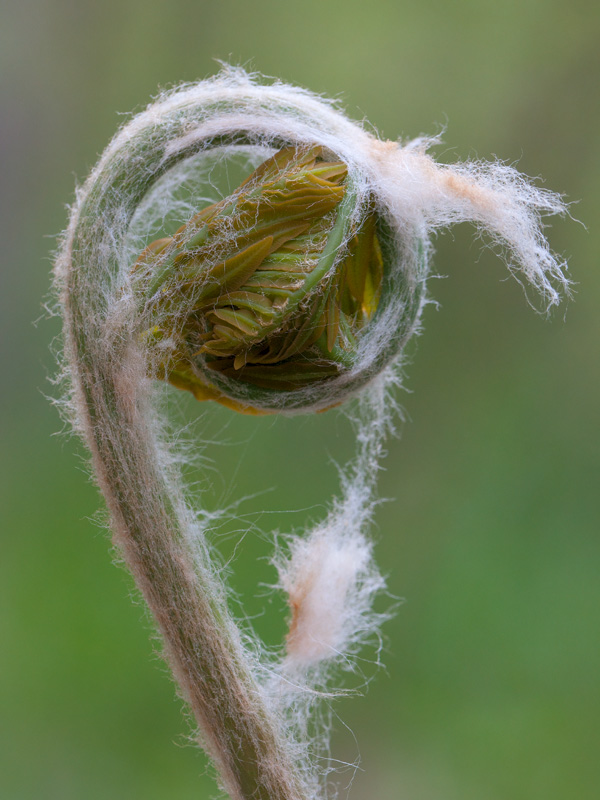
(149, 517)
(201, 642)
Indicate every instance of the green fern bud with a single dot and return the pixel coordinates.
(267, 289)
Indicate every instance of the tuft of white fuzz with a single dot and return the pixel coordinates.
(329, 575)
(497, 198)
(330, 582)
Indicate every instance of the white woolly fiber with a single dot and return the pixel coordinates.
(322, 581)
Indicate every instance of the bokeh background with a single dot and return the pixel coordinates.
(490, 532)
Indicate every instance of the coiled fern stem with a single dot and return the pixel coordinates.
(292, 295)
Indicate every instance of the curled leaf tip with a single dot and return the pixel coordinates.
(270, 286)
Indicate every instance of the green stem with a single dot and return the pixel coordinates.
(150, 521)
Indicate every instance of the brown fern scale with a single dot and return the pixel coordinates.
(241, 271)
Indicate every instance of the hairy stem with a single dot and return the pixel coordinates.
(201, 642)
(150, 520)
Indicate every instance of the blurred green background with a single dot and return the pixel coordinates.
(490, 688)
